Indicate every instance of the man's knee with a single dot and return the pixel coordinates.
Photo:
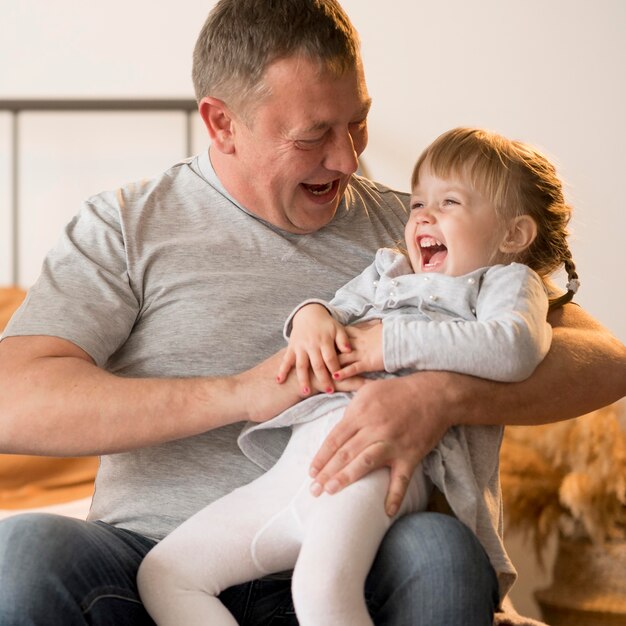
(59, 570)
(27, 540)
(432, 564)
(33, 552)
(424, 539)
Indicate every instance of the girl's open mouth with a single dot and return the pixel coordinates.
(432, 251)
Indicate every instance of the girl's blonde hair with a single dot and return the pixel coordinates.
(518, 180)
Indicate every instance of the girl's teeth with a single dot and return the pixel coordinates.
(428, 242)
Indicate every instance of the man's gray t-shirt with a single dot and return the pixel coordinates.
(171, 278)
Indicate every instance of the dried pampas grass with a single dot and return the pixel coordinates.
(568, 477)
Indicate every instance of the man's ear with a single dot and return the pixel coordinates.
(219, 123)
(520, 233)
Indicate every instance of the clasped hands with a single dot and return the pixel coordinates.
(321, 346)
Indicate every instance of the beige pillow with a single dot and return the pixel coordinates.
(10, 299)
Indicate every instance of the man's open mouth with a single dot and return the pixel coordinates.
(323, 191)
(319, 190)
(432, 251)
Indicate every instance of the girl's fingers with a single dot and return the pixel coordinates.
(331, 361)
(286, 365)
(342, 341)
(322, 375)
(348, 371)
(347, 358)
(302, 373)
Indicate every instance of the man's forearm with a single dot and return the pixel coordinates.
(65, 405)
(584, 370)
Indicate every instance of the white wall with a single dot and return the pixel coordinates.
(551, 73)
(6, 217)
(84, 48)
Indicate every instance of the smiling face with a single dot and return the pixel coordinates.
(290, 160)
(452, 229)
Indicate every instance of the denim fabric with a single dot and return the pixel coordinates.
(57, 571)
(431, 571)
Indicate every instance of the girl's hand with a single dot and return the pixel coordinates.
(316, 338)
(262, 400)
(367, 351)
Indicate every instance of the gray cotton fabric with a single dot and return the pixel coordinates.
(438, 322)
(171, 278)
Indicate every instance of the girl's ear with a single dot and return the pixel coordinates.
(219, 123)
(521, 232)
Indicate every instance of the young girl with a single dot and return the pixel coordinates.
(461, 297)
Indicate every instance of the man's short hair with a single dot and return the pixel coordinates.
(241, 38)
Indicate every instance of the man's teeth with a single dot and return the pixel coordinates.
(320, 190)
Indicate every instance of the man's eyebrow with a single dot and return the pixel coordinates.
(365, 109)
(323, 125)
(316, 126)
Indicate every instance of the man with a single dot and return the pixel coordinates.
(158, 294)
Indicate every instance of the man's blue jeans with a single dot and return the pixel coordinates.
(430, 570)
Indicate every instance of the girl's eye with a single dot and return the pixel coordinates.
(449, 201)
(417, 205)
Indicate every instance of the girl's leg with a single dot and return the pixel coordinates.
(180, 579)
(342, 534)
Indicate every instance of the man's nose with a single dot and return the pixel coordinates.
(342, 156)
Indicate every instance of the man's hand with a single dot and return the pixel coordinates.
(383, 428)
(390, 424)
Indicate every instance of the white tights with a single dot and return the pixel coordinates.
(271, 525)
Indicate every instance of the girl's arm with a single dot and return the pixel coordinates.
(507, 340)
(316, 334)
